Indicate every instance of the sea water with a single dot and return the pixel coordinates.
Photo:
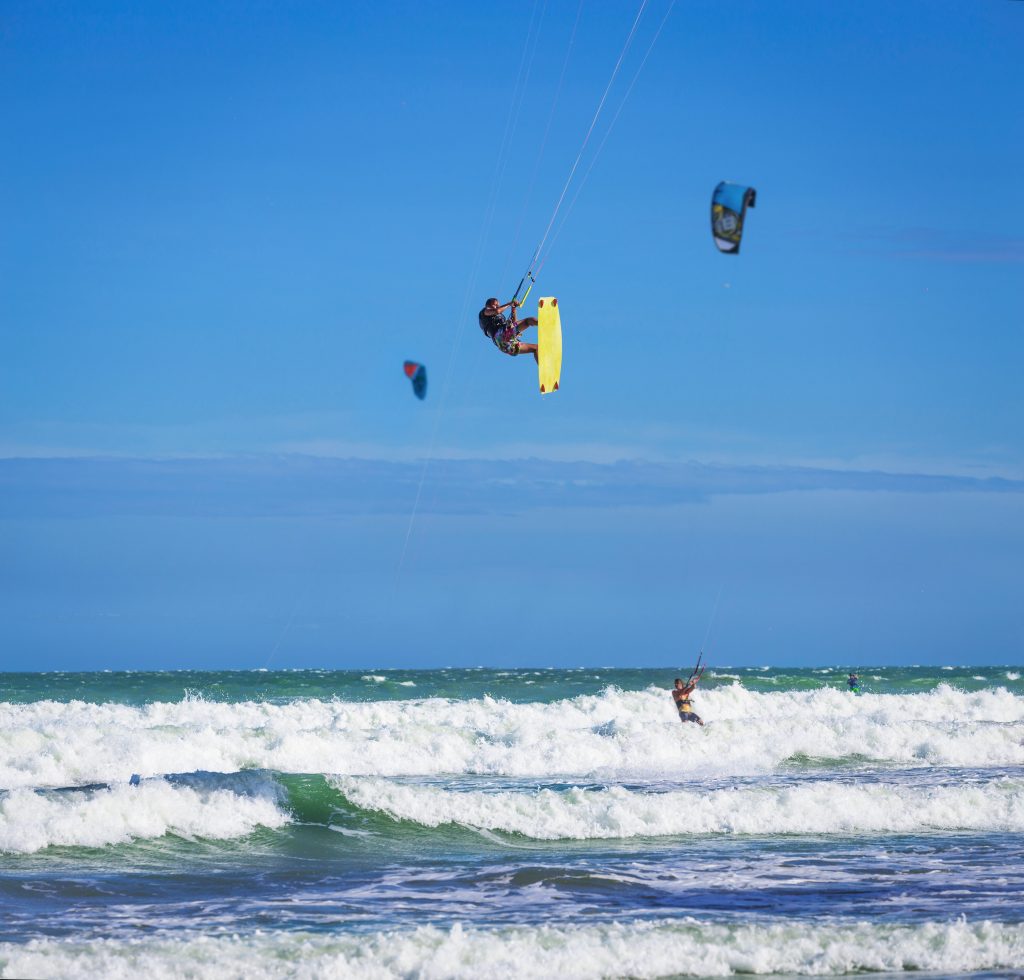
(529, 823)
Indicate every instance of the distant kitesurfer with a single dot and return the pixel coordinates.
(504, 331)
(681, 696)
(853, 682)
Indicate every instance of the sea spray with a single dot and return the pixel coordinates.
(31, 821)
(616, 812)
(616, 734)
(642, 950)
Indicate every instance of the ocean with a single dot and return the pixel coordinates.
(526, 823)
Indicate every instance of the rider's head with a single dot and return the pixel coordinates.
(492, 302)
(679, 682)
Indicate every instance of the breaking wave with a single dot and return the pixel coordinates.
(614, 734)
(120, 814)
(213, 806)
(642, 949)
(617, 812)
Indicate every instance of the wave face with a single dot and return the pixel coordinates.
(614, 734)
(212, 808)
(642, 950)
(616, 812)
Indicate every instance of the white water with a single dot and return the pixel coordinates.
(642, 950)
(30, 821)
(612, 735)
(808, 808)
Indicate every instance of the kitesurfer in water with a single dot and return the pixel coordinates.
(504, 331)
(681, 695)
(853, 682)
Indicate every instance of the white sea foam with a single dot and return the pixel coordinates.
(614, 734)
(31, 821)
(1012, 675)
(805, 808)
(642, 949)
(374, 678)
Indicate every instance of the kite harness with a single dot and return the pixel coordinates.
(502, 330)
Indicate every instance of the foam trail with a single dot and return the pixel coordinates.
(615, 734)
(31, 821)
(643, 950)
(809, 808)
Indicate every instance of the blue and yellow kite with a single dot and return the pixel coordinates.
(729, 206)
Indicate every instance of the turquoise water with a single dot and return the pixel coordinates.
(515, 685)
(497, 822)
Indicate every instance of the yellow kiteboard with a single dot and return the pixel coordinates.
(549, 344)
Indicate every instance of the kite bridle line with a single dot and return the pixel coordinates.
(543, 147)
(579, 156)
(711, 620)
(698, 671)
(518, 94)
(604, 139)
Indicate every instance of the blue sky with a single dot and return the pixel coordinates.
(226, 226)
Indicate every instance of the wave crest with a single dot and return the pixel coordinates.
(615, 734)
(617, 812)
(120, 814)
(643, 949)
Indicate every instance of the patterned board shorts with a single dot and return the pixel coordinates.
(508, 341)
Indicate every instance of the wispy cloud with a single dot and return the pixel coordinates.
(305, 435)
(341, 435)
(293, 485)
(922, 242)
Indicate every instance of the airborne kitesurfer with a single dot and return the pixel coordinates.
(504, 331)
